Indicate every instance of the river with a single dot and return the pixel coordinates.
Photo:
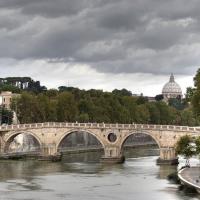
(138, 178)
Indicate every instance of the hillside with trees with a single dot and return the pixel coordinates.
(68, 104)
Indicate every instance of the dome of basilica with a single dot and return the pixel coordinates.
(171, 89)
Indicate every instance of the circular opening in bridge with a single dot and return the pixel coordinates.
(112, 137)
(139, 145)
(22, 142)
(80, 146)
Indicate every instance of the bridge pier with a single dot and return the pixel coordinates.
(48, 149)
(2, 145)
(167, 156)
(112, 155)
(49, 152)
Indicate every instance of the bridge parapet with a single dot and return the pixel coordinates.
(99, 126)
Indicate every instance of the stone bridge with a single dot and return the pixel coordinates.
(111, 136)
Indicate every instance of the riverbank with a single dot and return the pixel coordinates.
(190, 177)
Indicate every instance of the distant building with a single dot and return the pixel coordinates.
(23, 83)
(171, 89)
(151, 99)
(6, 99)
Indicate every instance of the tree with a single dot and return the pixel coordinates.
(122, 92)
(189, 94)
(197, 143)
(53, 111)
(6, 116)
(143, 115)
(196, 94)
(84, 117)
(176, 103)
(184, 147)
(97, 106)
(27, 108)
(52, 93)
(166, 114)
(44, 107)
(11, 88)
(159, 97)
(141, 100)
(66, 107)
(154, 113)
(187, 118)
(130, 104)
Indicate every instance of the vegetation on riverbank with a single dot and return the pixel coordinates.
(73, 104)
(188, 147)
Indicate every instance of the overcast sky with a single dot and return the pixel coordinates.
(104, 44)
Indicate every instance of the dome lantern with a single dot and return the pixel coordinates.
(171, 80)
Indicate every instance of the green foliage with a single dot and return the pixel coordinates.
(185, 148)
(166, 114)
(141, 100)
(188, 147)
(197, 79)
(52, 93)
(187, 118)
(197, 143)
(177, 103)
(189, 94)
(95, 106)
(122, 92)
(34, 86)
(10, 88)
(6, 116)
(83, 118)
(196, 102)
(66, 107)
(27, 108)
(154, 113)
(195, 93)
(159, 97)
(143, 115)
(10, 80)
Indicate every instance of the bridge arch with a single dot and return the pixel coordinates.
(139, 132)
(66, 134)
(15, 134)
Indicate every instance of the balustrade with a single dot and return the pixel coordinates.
(99, 125)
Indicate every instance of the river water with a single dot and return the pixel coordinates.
(138, 178)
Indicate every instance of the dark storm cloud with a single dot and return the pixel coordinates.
(48, 8)
(112, 36)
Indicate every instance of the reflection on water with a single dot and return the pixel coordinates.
(89, 157)
(138, 178)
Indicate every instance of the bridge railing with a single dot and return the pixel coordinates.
(98, 125)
